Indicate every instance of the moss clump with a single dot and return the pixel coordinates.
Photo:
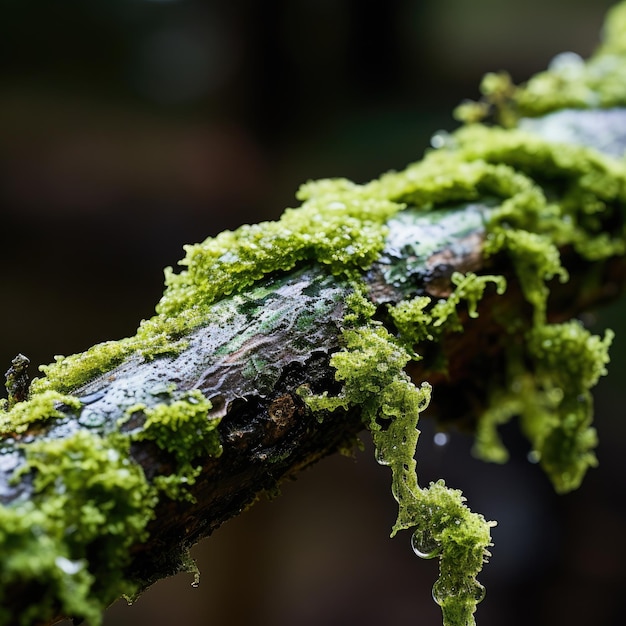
(90, 504)
(340, 225)
(570, 82)
(548, 387)
(70, 542)
(419, 320)
(371, 367)
(183, 429)
(39, 409)
(568, 360)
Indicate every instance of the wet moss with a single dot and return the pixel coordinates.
(70, 542)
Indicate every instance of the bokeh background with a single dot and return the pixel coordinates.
(131, 127)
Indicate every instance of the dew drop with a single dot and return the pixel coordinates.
(91, 398)
(567, 63)
(534, 456)
(441, 439)
(67, 566)
(441, 139)
(91, 419)
(424, 545)
(441, 591)
(479, 592)
(472, 591)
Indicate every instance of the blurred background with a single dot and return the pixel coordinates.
(131, 127)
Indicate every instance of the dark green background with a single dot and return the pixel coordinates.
(130, 127)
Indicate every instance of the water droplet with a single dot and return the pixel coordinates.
(534, 456)
(479, 592)
(381, 457)
(441, 591)
(424, 545)
(67, 566)
(441, 139)
(161, 389)
(569, 64)
(336, 206)
(472, 590)
(441, 439)
(196, 582)
(230, 256)
(91, 419)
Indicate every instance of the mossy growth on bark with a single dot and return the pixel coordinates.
(90, 502)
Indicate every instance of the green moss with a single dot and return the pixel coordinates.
(91, 503)
(40, 408)
(541, 197)
(37, 560)
(553, 400)
(417, 321)
(339, 224)
(183, 429)
(371, 367)
(568, 83)
(567, 361)
(71, 540)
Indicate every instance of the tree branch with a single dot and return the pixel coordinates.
(212, 413)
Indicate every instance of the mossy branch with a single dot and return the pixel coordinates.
(452, 283)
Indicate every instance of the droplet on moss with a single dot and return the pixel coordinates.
(424, 545)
